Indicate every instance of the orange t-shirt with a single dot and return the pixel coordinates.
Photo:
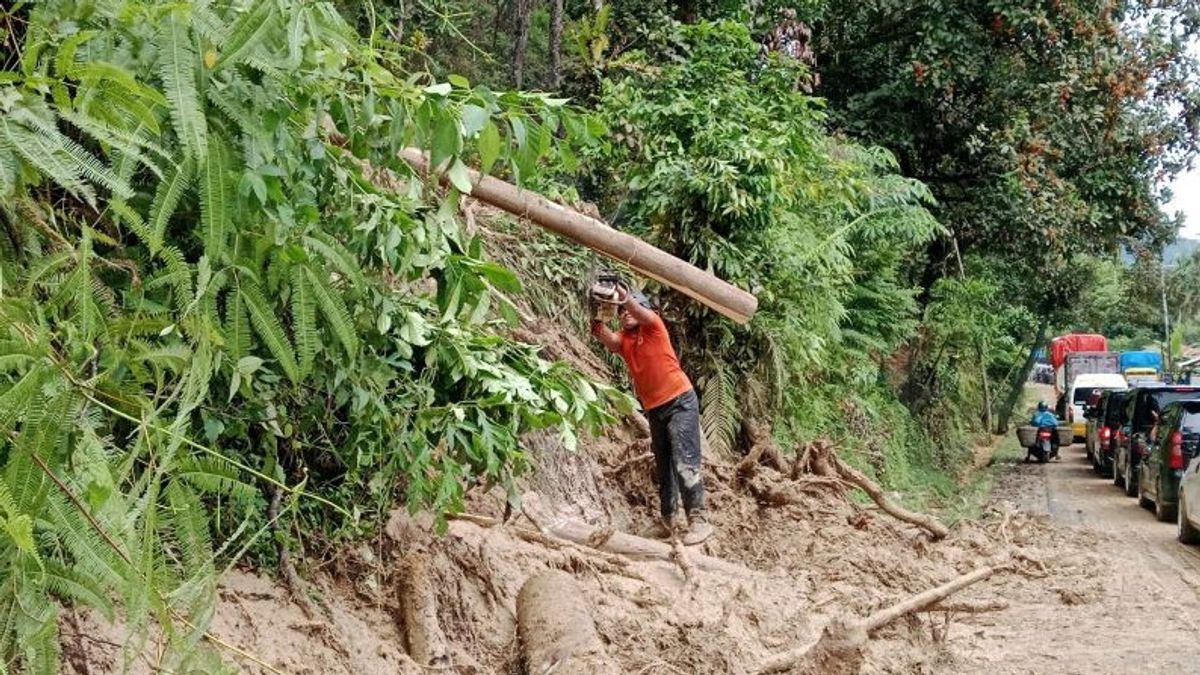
(653, 365)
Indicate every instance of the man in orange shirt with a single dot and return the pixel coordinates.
(671, 406)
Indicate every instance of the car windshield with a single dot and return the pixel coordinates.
(1159, 399)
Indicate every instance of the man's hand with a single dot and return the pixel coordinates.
(610, 340)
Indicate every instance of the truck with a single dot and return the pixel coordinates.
(1083, 369)
(1078, 353)
(1142, 367)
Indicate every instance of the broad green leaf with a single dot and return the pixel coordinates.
(489, 147)
(446, 142)
(460, 178)
(473, 119)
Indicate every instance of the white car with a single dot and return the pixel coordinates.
(1083, 387)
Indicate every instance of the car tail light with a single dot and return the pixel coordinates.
(1105, 434)
(1176, 450)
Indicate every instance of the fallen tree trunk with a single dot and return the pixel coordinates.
(556, 630)
(650, 261)
(427, 644)
(839, 650)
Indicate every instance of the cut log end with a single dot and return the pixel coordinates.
(427, 644)
(556, 629)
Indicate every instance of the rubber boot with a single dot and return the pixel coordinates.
(698, 530)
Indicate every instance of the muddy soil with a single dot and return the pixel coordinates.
(1123, 598)
(1098, 587)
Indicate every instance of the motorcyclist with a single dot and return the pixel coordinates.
(1043, 417)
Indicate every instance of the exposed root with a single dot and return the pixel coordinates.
(600, 561)
(638, 459)
(680, 557)
(839, 650)
(967, 607)
(291, 580)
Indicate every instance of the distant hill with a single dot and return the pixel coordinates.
(1179, 250)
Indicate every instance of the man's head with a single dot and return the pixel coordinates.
(1042, 407)
(628, 321)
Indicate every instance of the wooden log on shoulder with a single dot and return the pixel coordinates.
(597, 235)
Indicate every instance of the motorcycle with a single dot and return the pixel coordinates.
(1045, 446)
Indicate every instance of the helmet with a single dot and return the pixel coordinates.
(1042, 407)
(641, 299)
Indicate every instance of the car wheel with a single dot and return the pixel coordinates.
(1130, 481)
(1164, 513)
(1143, 500)
(1186, 533)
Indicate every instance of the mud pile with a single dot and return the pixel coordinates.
(770, 579)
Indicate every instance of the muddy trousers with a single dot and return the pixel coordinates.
(675, 439)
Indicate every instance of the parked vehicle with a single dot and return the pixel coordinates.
(1082, 389)
(1142, 367)
(1109, 423)
(1174, 444)
(1043, 373)
(1187, 517)
(1143, 408)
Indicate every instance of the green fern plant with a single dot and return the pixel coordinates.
(210, 291)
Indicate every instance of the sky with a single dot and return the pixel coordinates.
(1186, 190)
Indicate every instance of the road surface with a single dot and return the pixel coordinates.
(1123, 595)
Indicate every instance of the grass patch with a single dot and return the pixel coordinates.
(976, 491)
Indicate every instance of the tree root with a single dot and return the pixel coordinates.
(598, 560)
(839, 650)
(291, 580)
(680, 556)
(618, 469)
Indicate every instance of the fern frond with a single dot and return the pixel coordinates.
(247, 31)
(338, 257)
(190, 530)
(719, 414)
(52, 143)
(93, 555)
(178, 72)
(214, 476)
(227, 101)
(64, 61)
(179, 272)
(68, 583)
(167, 196)
(130, 144)
(268, 328)
(304, 319)
(237, 327)
(215, 197)
(334, 309)
(20, 399)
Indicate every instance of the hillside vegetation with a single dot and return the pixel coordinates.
(233, 326)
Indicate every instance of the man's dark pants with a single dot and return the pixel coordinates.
(675, 439)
